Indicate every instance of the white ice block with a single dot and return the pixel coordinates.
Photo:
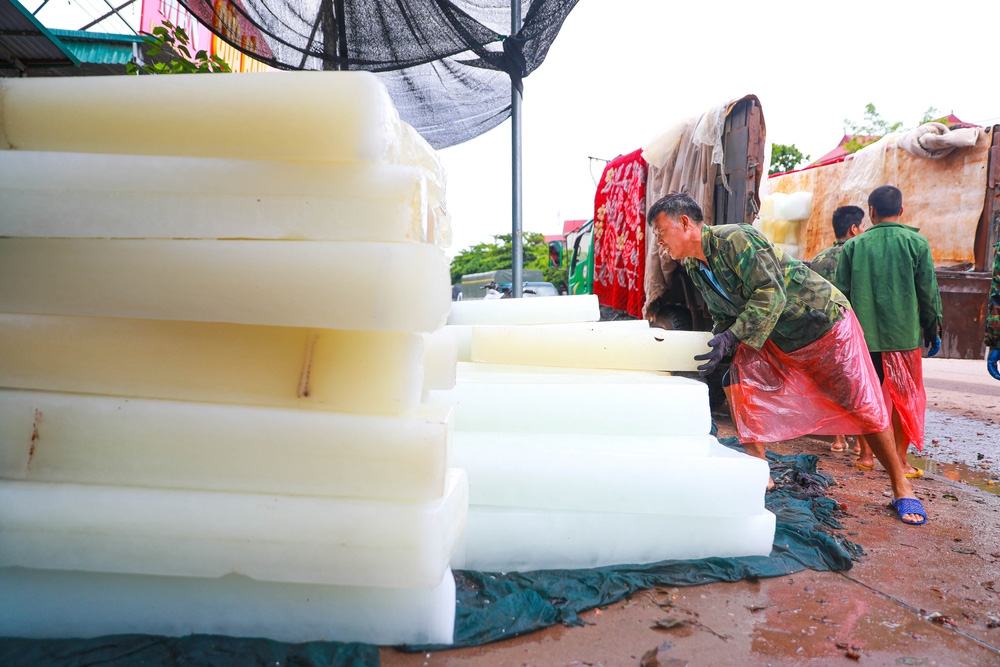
(629, 349)
(49, 437)
(521, 540)
(313, 116)
(535, 310)
(75, 195)
(463, 332)
(477, 372)
(626, 474)
(440, 359)
(360, 286)
(321, 369)
(53, 604)
(294, 539)
(669, 406)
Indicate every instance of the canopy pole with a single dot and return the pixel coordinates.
(517, 240)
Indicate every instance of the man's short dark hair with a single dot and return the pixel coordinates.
(887, 201)
(674, 206)
(846, 217)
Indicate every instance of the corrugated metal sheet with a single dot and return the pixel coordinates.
(98, 48)
(24, 42)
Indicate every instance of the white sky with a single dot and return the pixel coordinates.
(622, 71)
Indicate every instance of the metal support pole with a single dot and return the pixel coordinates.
(517, 240)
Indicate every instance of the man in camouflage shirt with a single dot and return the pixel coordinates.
(992, 338)
(758, 294)
(847, 221)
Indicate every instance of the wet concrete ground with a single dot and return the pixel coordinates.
(921, 595)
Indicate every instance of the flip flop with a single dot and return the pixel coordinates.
(914, 475)
(861, 466)
(834, 448)
(909, 506)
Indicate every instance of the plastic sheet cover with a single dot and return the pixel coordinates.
(904, 389)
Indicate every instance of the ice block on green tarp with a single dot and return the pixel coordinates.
(440, 359)
(52, 437)
(600, 406)
(501, 539)
(603, 473)
(54, 604)
(75, 195)
(324, 284)
(342, 371)
(295, 539)
(533, 310)
(628, 349)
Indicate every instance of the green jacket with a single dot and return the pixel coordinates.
(825, 263)
(888, 275)
(992, 338)
(767, 293)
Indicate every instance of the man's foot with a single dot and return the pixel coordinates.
(910, 510)
(865, 465)
(770, 484)
(913, 473)
(839, 444)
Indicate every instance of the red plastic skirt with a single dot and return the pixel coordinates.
(904, 389)
(828, 387)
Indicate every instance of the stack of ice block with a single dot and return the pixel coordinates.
(581, 452)
(220, 304)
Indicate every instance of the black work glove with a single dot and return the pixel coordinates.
(721, 345)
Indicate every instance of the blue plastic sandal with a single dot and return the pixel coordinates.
(905, 506)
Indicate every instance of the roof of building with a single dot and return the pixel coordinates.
(25, 44)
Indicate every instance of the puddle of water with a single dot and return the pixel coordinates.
(958, 472)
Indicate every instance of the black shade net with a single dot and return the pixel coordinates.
(448, 65)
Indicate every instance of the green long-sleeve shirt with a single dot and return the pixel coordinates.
(762, 292)
(888, 275)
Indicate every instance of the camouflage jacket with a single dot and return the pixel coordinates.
(763, 293)
(825, 263)
(992, 338)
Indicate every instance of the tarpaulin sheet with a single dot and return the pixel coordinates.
(494, 606)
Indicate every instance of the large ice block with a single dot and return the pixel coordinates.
(477, 372)
(344, 371)
(295, 539)
(313, 116)
(53, 604)
(671, 405)
(626, 474)
(440, 359)
(521, 540)
(463, 332)
(74, 195)
(534, 310)
(325, 284)
(629, 349)
(50, 437)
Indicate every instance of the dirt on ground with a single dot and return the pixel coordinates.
(921, 595)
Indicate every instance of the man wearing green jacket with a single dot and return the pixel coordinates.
(992, 338)
(888, 275)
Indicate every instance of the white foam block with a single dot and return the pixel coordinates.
(670, 406)
(52, 604)
(344, 371)
(47, 437)
(537, 310)
(627, 349)
(626, 474)
(440, 359)
(521, 540)
(295, 539)
(76, 195)
(463, 332)
(360, 286)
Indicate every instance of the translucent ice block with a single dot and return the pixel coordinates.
(75, 195)
(534, 310)
(345, 371)
(463, 332)
(314, 116)
(440, 359)
(49, 437)
(550, 404)
(627, 474)
(521, 540)
(360, 286)
(477, 372)
(294, 539)
(52, 604)
(629, 349)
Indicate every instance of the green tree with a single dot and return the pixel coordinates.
(499, 255)
(785, 157)
(174, 42)
(931, 115)
(869, 130)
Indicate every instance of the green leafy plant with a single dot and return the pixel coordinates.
(499, 255)
(785, 157)
(174, 41)
(869, 130)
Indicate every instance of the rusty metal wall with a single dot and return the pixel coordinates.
(963, 299)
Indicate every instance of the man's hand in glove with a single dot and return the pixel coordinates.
(992, 363)
(933, 346)
(721, 345)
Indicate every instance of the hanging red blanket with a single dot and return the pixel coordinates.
(619, 234)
